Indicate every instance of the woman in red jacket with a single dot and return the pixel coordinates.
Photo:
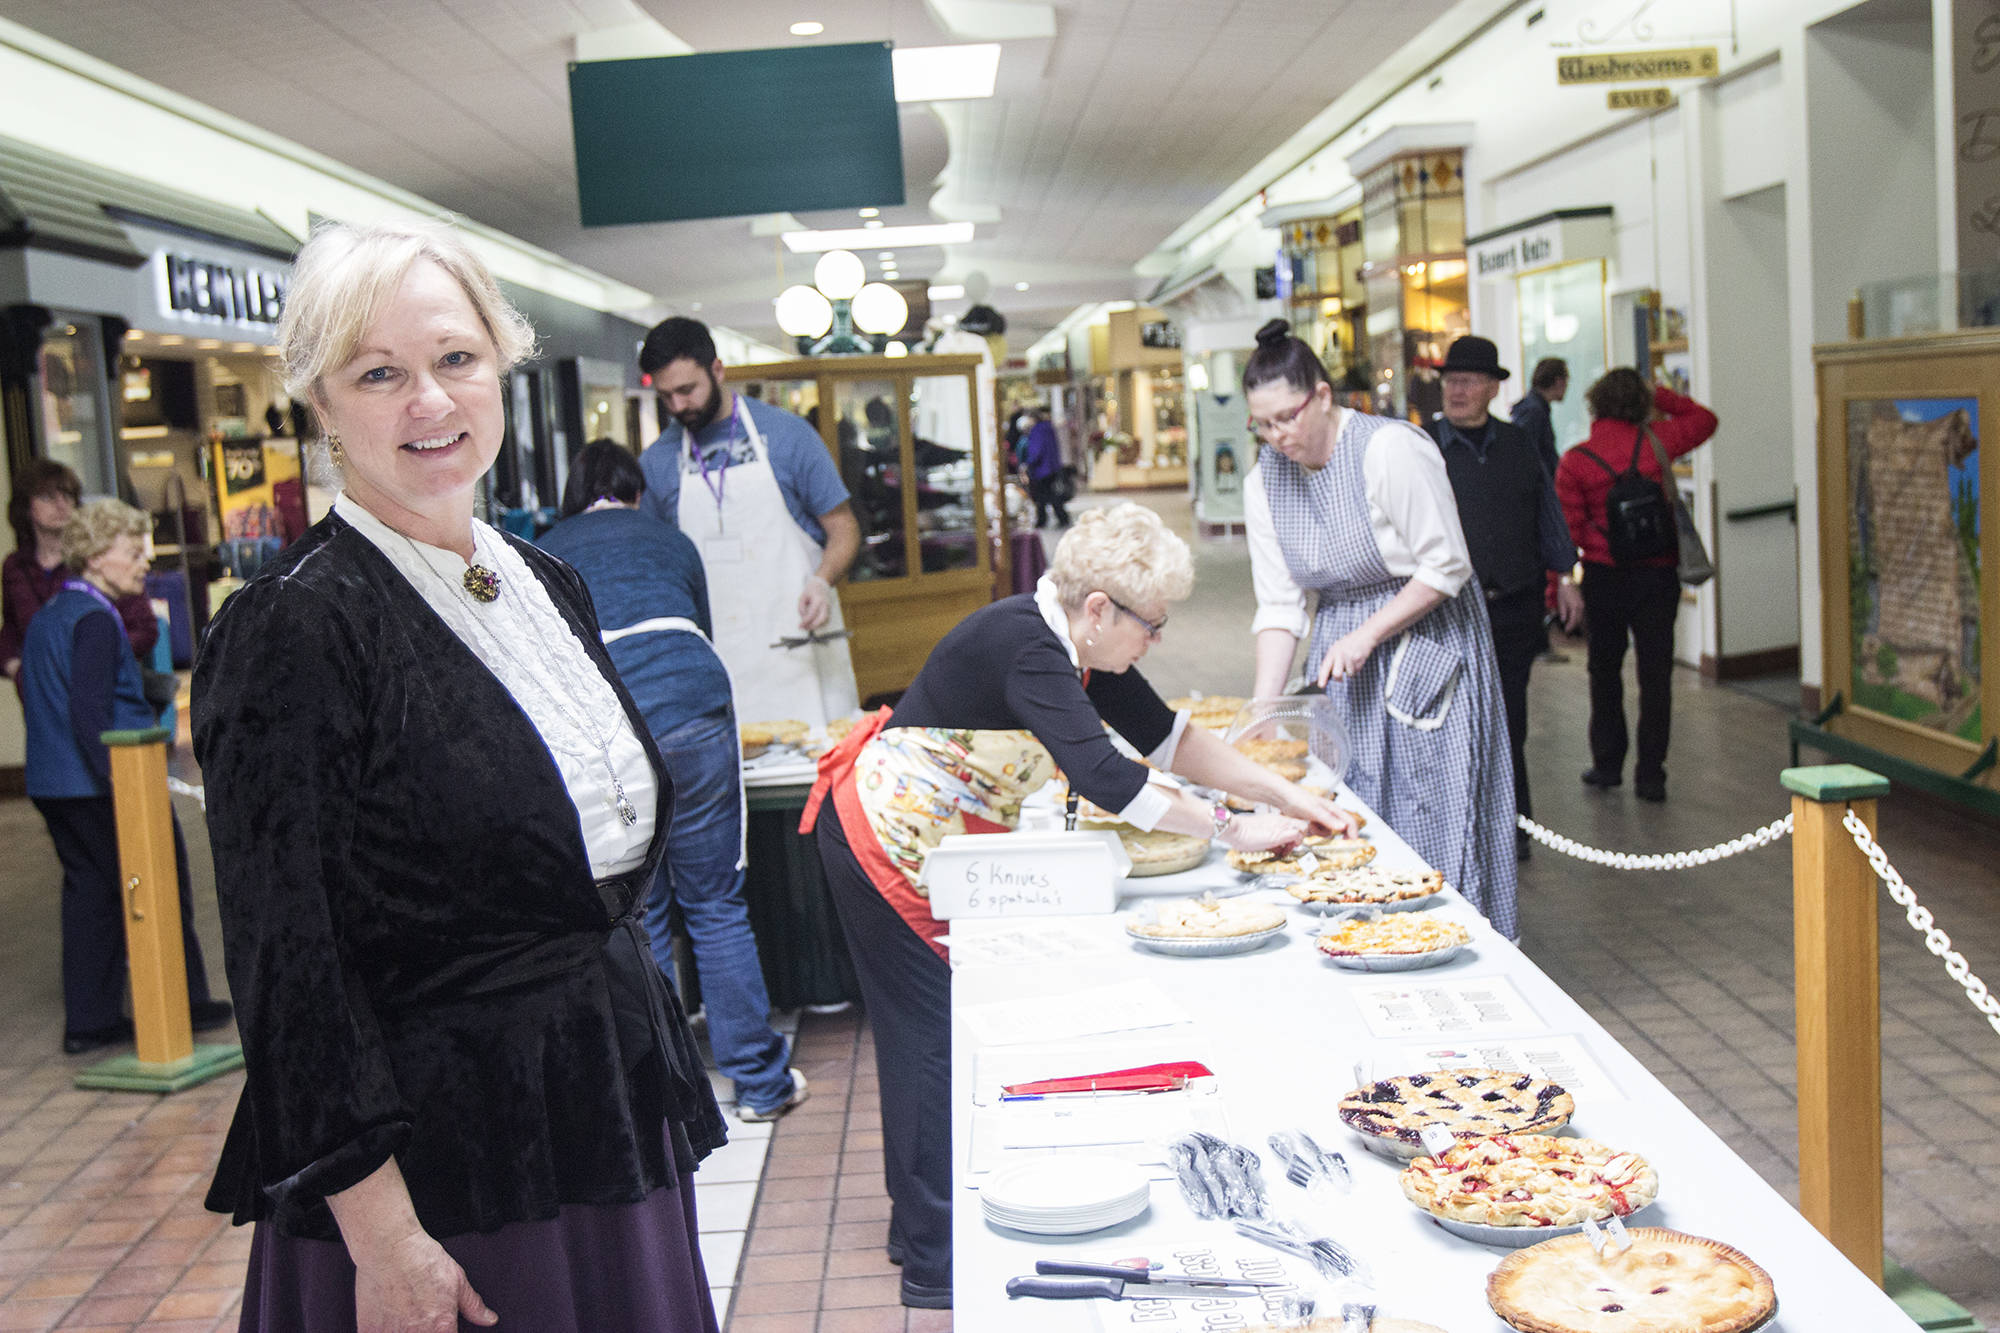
(1639, 598)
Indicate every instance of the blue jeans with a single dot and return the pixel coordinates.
(701, 877)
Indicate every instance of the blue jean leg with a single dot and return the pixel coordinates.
(700, 875)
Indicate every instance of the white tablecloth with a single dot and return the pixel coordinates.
(1283, 1029)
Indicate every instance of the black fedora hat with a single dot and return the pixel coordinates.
(1475, 354)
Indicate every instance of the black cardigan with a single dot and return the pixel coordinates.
(422, 962)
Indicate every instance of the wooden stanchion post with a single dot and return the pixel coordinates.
(1839, 1010)
(168, 1059)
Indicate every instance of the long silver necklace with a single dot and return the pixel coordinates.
(550, 670)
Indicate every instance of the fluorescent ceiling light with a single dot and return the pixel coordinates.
(948, 291)
(929, 233)
(1020, 286)
(871, 212)
(808, 29)
(945, 73)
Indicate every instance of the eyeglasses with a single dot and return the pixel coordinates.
(1284, 421)
(1153, 629)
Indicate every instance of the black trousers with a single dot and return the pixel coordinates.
(1519, 637)
(1639, 602)
(906, 989)
(93, 912)
(1046, 497)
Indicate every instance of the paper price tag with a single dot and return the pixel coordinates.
(1308, 862)
(1595, 1235)
(1436, 1139)
(1619, 1235)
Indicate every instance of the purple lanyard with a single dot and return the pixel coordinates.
(78, 585)
(721, 482)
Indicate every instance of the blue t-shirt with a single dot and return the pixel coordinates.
(807, 476)
(637, 568)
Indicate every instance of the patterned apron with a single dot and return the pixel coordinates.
(1424, 712)
(898, 791)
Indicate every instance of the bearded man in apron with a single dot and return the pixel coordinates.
(754, 487)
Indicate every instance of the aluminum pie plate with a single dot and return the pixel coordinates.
(1330, 908)
(1516, 1238)
(1394, 962)
(1207, 947)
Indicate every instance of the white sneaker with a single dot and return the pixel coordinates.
(799, 1094)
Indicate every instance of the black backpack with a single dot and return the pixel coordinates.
(1639, 524)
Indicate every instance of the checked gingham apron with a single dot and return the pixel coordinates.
(1424, 712)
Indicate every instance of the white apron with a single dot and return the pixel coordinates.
(757, 559)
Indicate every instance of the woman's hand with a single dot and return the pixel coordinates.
(1256, 833)
(1323, 815)
(1347, 656)
(412, 1286)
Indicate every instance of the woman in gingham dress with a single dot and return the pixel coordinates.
(1358, 510)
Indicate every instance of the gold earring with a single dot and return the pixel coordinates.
(334, 451)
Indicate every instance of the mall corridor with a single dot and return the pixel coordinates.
(101, 1225)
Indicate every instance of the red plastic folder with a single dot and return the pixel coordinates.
(1145, 1078)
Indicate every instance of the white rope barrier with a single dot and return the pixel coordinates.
(1749, 842)
(1921, 921)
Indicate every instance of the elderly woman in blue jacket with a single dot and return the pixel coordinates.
(79, 680)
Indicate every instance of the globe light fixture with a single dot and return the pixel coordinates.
(804, 312)
(880, 308)
(840, 273)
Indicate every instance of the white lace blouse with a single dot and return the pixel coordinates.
(525, 642)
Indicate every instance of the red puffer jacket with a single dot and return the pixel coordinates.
(1581, 484)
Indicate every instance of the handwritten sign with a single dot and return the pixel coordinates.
(1024, 874)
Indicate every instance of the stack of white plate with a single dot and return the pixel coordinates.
(1065, 1195)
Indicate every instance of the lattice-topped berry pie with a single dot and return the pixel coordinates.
(1667, 1282)
(1470, 1103)
(1366, 884)
(1530, 1180)
(1328, 854)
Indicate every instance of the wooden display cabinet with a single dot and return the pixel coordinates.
(932, 552)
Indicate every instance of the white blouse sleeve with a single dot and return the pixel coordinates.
(1410, 492)
(1280, 603)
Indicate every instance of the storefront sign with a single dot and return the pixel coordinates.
(242, 465)
(1553, 238)
(201, 291)
(1639, 99)
(1693, 62)
(1534, 247)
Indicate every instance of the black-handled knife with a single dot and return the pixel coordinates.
(1124, 1272)
(1109, 1288)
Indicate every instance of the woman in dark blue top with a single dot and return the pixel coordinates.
(79, 680)
(652, 599)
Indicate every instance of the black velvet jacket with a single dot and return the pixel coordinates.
(422, 962)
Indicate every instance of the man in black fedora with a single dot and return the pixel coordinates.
(1514, 529)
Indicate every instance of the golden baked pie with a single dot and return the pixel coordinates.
(1207, 919)
(1157, 852)
(1270, 751)
(1530, 1180)
(1366, 884)
(1469, 1103)
(839, 727)
(1398, 932)
(762, 734)
(1328, 855)
(1667, 1282)
(1214, 712)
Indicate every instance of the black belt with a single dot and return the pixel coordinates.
(1502, 594)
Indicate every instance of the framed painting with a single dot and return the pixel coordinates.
(1902, 542)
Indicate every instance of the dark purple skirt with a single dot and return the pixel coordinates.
(594, 1268)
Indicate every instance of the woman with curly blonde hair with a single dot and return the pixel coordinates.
(1019, 691)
